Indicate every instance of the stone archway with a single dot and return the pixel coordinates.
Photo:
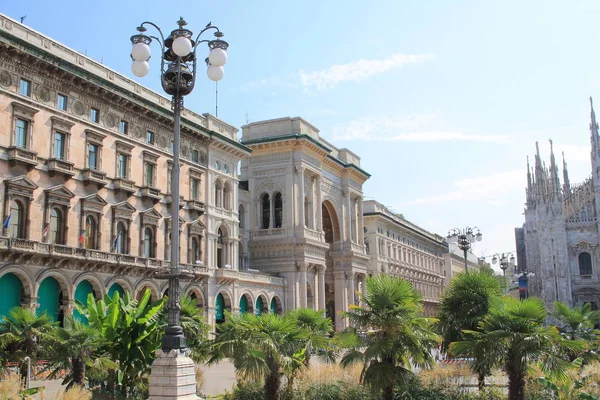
(331, 222)
(335, 284)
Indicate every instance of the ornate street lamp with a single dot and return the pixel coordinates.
(178, 69)
(464, 238)
(505, 262)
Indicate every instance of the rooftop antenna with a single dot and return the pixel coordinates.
(23, 18)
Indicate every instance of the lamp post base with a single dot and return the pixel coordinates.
(173, 376)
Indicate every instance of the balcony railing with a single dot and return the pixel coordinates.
(25, 246)
(126, 185)
(268, 232)
(58, 166)
(91, 175)
(20, 155)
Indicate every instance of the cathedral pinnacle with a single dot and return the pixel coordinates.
(566, 183)
(593, 127)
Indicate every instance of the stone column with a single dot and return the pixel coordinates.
(303, 296)
(348, 217)
(322, 295)
(363, 286)
(350, 280)
(172, 376)
(272, 213)
(258, 202)
(341, 299)
(289, 202)
(316, 290)
(319, 221)
(361, 223)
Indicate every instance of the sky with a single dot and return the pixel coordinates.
(443, 101)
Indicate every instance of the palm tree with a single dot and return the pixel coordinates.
(24, 334)
(463, 306)
(517, 330)
(75, 349)
(397, 337)
(261, 348)
(577, 322)
(319, 328)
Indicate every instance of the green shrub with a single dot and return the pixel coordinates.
(324, 391)
(245, 391)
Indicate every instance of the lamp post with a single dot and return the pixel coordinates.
(505, 262)
(178, 69)
(464, 238)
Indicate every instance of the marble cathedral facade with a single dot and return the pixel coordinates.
(561, 233)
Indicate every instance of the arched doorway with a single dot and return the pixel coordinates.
(331, 224)
(261, 306)
(13, 293)
(276, 307)
(245, 305)
(116, 288)
(50, 299)
(222, 304)
(333, 301)
(310, 296)
(84, 289)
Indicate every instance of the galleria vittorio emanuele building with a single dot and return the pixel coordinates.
(85, 159)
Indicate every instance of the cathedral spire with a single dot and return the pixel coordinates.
(554, 179)
(529, 192)
(566, 183)
(593, 127)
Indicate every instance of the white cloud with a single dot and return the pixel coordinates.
(573, 153)
(415, 128)
(356, 71)
(272, 81)
(480, 189)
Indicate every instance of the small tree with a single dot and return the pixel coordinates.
(398, 335)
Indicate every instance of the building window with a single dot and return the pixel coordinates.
(195, 256)
(227, 196)
(585, 264)
(94, 115)
(57, 225)
(266, 210)
(195, 189)
(149, 174)
(278, 208)
(220, 249)
(195, 156)
(122, 165)
(25, 87)
(60, 145)
(124, 127)
(218, 193)
(93, 156)
(149, 137)
(91, 233)
(21, 133)
(17, 220)
(61, 102)
(121, 239)
(172, 148)
(242, 216)
(148, 243)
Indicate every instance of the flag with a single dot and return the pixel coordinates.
(84, 233)
(7, 222)
(116, 240)
(45, 231)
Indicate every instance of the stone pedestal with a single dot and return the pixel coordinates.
(173, 376)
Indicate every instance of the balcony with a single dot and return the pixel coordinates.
(22, 156)
(228, 276)
(169, 200)
(95, 176)
(62, 167)
(125, 185)
(268, 233)
(151, 193)
(18, 250)
(195, 205)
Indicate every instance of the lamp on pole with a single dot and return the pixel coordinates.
(464, 238)
(505, 260)
(178, 69)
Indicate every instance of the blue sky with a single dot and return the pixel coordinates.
(442, 100)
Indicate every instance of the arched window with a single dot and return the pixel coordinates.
(278, 206)
(306, 211)
(585, 264)
(227, 196)
(218, 193)
(195, 250)
(220, 249)
(121, 239)
(265, 211)
(241, 216)
(148, 243)
(91, 233)
(56, 231)
(17, 220)
(241, 258)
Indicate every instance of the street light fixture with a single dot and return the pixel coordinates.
(178, 75)
(464, 238)
(505, 262)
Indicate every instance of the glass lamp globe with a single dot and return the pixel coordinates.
(494, 260)
(140, 52)
(217, 57)
(478, 237)
(182, 46)
(512, 260)
(215, 73)
(140, 68)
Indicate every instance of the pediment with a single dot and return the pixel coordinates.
(584, 245)
(168, 220)
(150, 216)
(59, 194)
(93, 203)
(197, 228)
(124, 207)
(22, 182)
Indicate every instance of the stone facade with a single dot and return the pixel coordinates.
(561, 231)
(400, 248)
